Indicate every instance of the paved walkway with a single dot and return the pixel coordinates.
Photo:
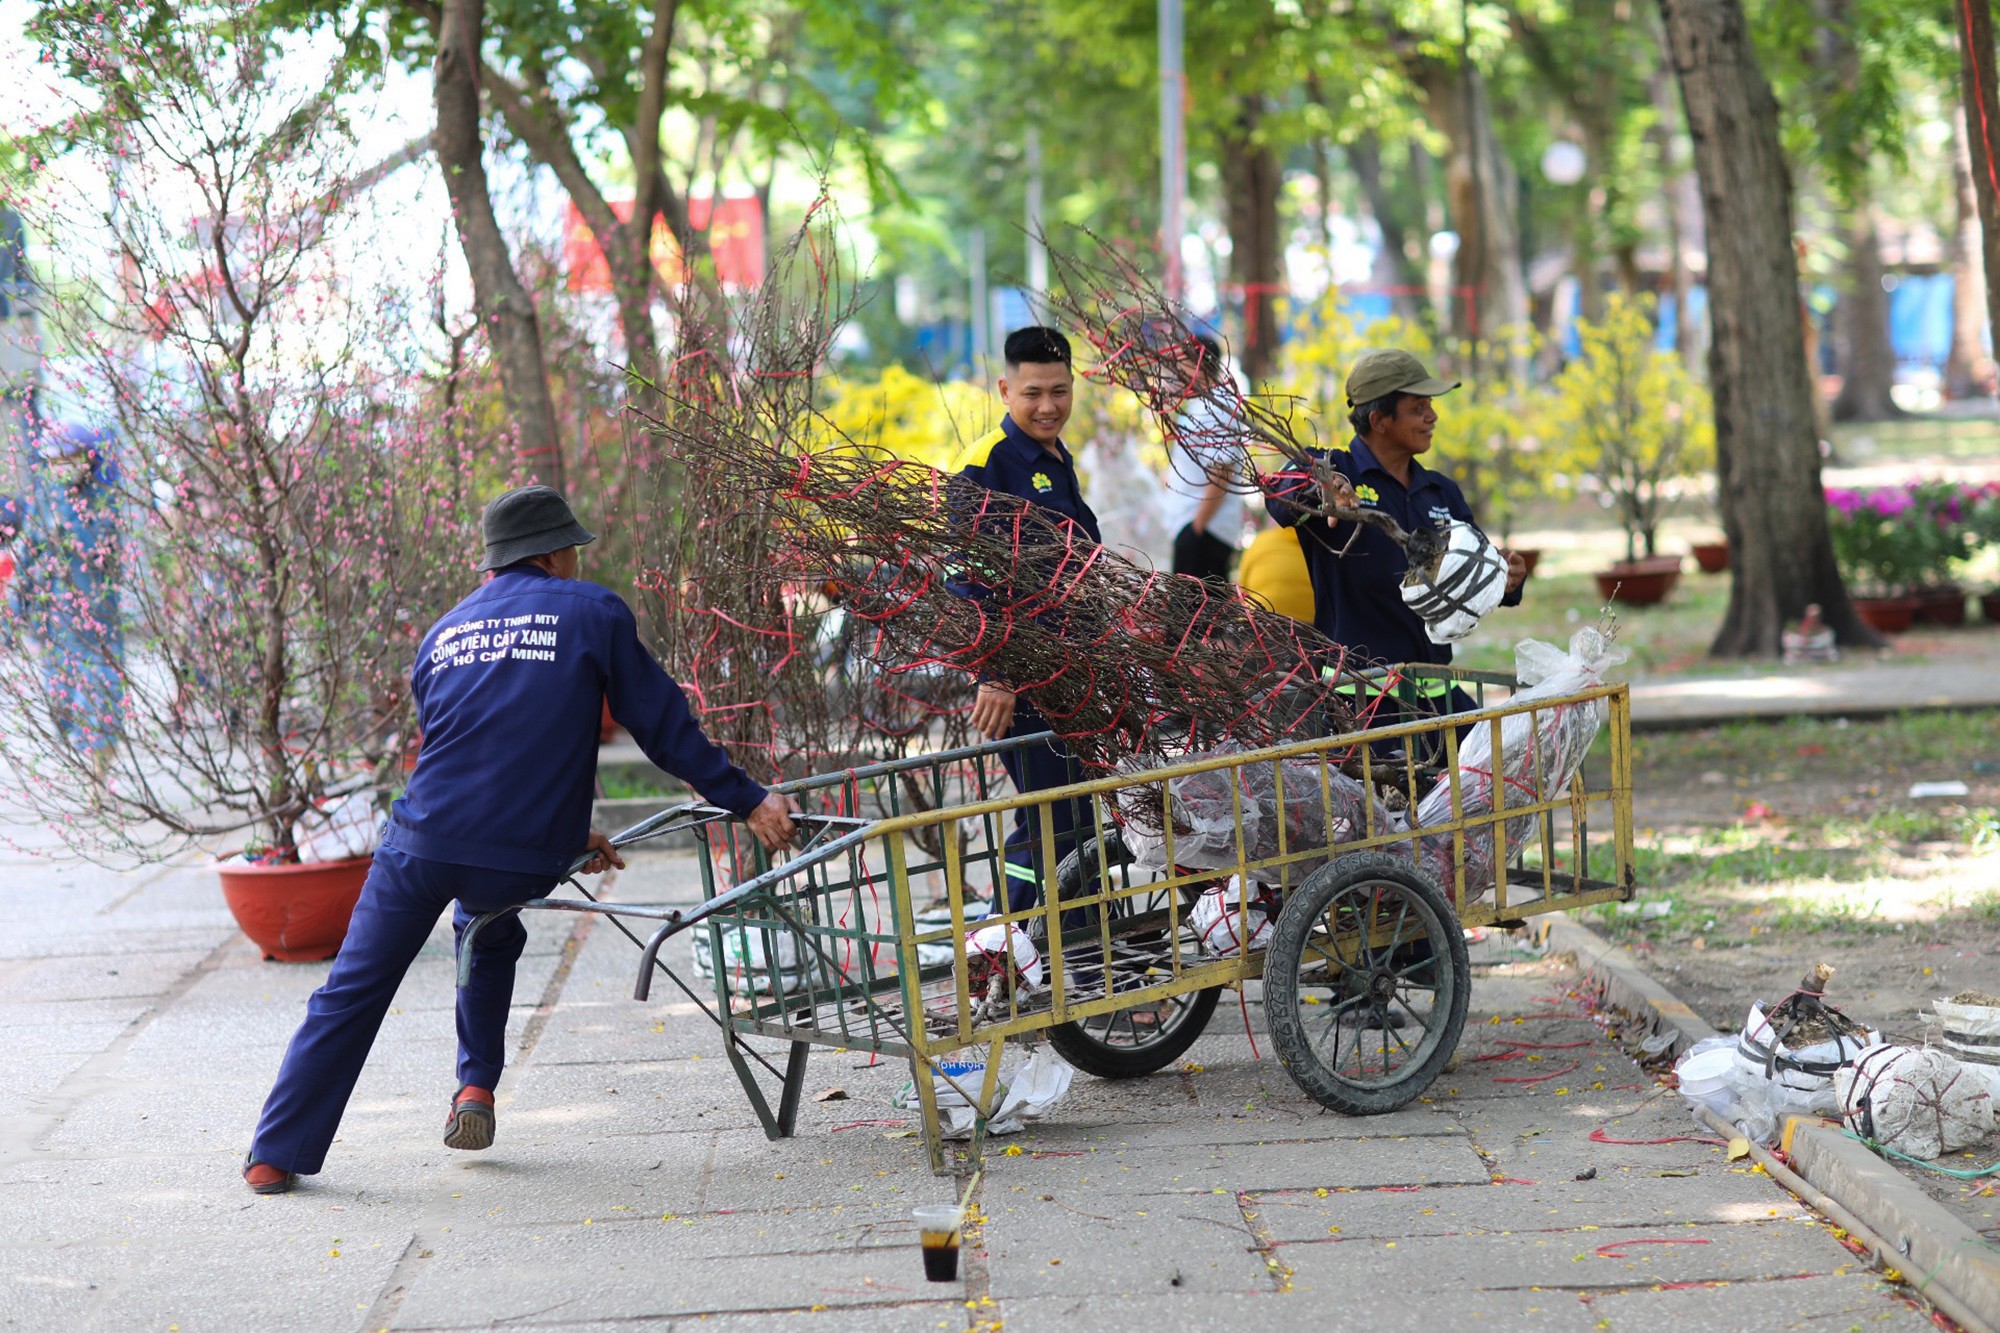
(628, 1188)
(1854, 689)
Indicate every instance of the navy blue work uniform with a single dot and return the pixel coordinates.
(1357, 597)
(510, 686)
(1011, 462)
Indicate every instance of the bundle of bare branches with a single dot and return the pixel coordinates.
(1145, 344)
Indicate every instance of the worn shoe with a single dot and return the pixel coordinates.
(470, 1124)
(263, 1178)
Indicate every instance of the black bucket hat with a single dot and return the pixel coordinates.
(528, 521)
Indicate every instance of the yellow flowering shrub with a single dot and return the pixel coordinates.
(1490, 436)
(1632, 419)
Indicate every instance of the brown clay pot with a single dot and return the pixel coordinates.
(1641, 582)
(1530, 557)
(1891, 615)
(1712, 557)
(1941, 606)
(1989, 606)
(294, 913)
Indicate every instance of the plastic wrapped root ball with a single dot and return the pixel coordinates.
(1469, 581)
(1004, 953)
(1225, 925)
(1321, 808)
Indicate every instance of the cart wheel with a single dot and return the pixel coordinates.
(1366, 983)
(1135, 1042)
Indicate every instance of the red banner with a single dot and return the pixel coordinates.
(735, 231)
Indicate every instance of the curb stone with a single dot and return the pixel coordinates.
(1940, 1251)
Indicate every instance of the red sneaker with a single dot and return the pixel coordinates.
(263, 1178)
(470, 1124)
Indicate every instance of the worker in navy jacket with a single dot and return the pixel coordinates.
(1357, 570)
(510, 686)
(1026, 457)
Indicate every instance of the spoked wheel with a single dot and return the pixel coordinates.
(1366, 983)
(1134, 1042)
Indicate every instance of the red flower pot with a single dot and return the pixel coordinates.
(294, 913)
(1530, 557)
(1891, 615)
(1712, 557)
(1989, 606)
(1640, 582)
(1941, 606)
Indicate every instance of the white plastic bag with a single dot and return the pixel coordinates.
(1540, 753)
(1971, 1032)
(1028, 1091)
(1223, 924)
(1787, 1080)
(1471, 579)
(987, 953)
(750, 965)
(1922, 1103)
(340, 831)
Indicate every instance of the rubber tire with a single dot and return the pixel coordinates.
(1092, 1056)
(1302, 915)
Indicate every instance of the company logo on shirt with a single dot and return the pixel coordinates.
(1042, 483)
(1439, 514)
(1368, 495)
(524, 638)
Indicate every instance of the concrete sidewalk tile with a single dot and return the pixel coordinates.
(750, 1171)
(22, 1019)
(97, 976)
(916, 1317)
(1156, 1245)
(1678, 1253)
(1855, 1300)
(618, 1029)
(1461, 1209)
(1208, 1312)
(624, 1271)
(316, 1278)
(1196, 1169)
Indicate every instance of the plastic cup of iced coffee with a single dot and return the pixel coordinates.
(938, 1232)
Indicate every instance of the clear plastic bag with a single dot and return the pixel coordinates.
(1540, 752)
(1323, 808)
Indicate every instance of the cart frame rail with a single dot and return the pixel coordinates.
(831, 946)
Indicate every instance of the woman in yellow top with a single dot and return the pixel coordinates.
(1274, 572)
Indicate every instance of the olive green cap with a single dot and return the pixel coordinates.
(1390, 370)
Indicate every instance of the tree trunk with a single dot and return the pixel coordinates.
(1868, 361)
(1966, 370)
(1394, 265)
(1982, 132)
(1482, 190)
(1767, 452)
(1251, 179)
(512, 333)
(1683, 219)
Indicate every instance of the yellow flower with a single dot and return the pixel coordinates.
(1368, 495)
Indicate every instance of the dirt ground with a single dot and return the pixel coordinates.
(1766, 848)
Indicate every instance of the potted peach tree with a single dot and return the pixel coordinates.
(285, 527)
(1630, 419)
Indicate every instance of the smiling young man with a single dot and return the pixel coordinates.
(1357, 589)
(1026, 457)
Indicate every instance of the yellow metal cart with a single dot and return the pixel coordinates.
(861, 939)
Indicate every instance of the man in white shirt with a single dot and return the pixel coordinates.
(1203, 509)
